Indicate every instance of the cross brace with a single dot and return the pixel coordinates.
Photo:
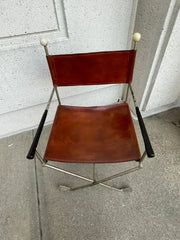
(93, 181)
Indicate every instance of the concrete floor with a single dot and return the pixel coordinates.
(33, 208)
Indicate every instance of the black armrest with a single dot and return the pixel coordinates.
(34, 144)
(148, 147)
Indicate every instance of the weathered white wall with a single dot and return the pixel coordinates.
(157, 76)
(71, 27)
(160, 88)
(166, 89)
(149, 22)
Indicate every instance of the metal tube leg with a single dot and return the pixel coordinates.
(127, 93)
(142, 158)
(57, 94)
(93, 181)
(50, 99)
(40, 158)
(101, 182)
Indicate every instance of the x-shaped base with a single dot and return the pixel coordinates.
(66, 188)
(93, 182)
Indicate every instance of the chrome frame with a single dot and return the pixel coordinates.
(135, 45)
(57, 94)
(132, 94)
(50, 99)
(93, 181)
(127, 93)
(55, 87)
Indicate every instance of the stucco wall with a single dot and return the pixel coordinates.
(71, 27)
(84, 26)
(156, 78)
(149, 22)
(166, 89)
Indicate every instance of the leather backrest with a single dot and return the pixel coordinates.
(92, 68)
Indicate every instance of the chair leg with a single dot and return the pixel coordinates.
(64, 188)
(121, 189)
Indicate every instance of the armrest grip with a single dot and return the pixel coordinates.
(34, 144)
(147, 143)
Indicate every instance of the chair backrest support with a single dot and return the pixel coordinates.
(92, 68)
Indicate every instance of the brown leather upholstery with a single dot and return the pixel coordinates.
(92, 68)
(102, 134)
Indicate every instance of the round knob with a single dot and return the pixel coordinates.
(136, 37)
(44, 42)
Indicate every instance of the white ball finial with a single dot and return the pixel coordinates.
(136, 37)
(44, 42)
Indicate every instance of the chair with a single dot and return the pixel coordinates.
(96, 135)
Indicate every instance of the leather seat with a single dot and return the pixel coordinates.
(103, 134)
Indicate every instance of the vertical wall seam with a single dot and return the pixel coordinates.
(65, 18)
(132, 24)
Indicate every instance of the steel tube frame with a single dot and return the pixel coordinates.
(46, 50)
(55, 87)
(93, 181)
(57, 94)
(127, 93)
(73, 174)
(133, 96)
(50, 99)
